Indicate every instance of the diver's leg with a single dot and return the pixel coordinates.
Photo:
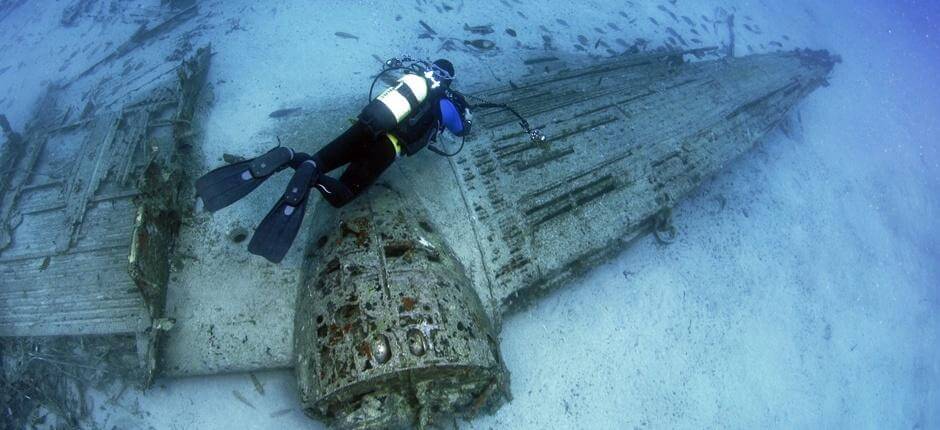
(333, 191)
(343, 149)
(360, 174)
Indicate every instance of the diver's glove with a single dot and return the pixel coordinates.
(467, 120)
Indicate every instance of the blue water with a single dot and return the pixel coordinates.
(810, 300)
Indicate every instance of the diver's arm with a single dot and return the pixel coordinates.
(455, 114)
(466, 116)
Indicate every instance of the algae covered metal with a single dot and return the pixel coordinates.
(395, 325)
(89, 211)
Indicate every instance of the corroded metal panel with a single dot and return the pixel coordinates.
(627, 139)
(388, 328)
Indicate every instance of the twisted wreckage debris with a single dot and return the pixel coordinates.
(89, 211)
(141, 37)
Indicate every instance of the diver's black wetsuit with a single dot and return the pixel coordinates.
(384, 130)
(368, 155)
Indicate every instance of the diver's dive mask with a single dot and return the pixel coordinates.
(442, 71)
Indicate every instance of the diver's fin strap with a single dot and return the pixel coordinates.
(273, 161)
(299, 186)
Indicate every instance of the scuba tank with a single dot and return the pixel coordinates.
(392, 106)
(384, 113)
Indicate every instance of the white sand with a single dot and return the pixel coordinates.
(802, 293)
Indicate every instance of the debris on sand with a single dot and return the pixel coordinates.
(49, 377)
(141, 36)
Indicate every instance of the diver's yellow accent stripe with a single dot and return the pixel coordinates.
(418, 86)
(394, 139)
(397, 104)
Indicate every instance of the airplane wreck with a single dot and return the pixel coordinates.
(396, 320)
(393, 324)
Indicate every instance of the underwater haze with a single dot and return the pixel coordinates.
(802, 289)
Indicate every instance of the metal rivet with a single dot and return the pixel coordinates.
(380, 349)
(416, 342)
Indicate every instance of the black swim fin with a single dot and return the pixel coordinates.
(228, 184)
(277, 230)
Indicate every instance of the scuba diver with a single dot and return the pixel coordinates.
(402, 120)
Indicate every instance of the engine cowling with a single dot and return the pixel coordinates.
(388, 331)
